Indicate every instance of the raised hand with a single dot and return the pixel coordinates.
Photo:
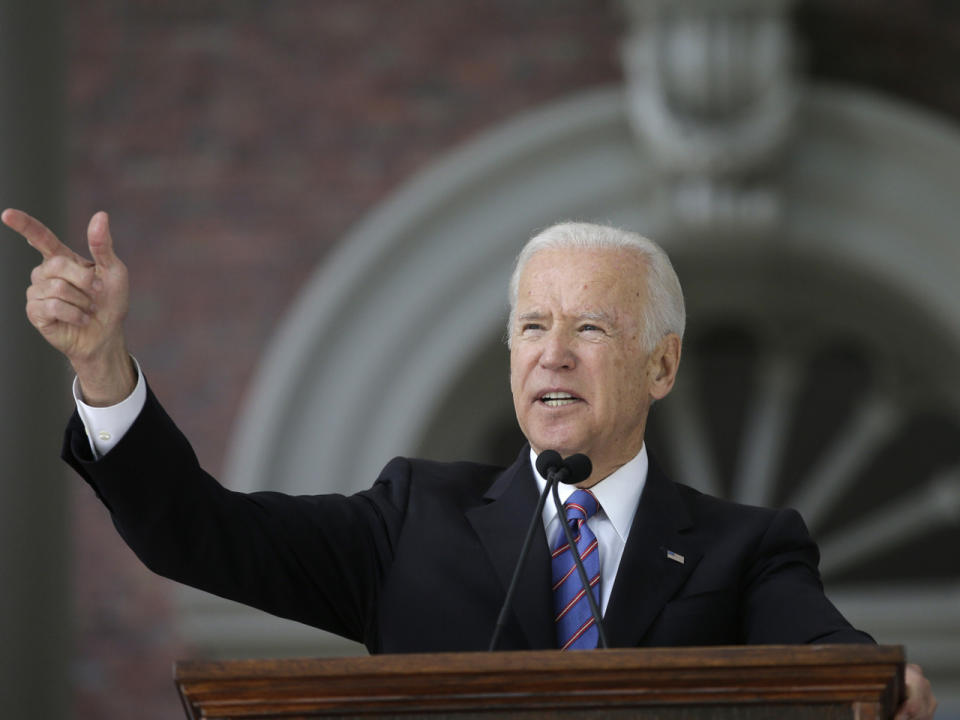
(79, 305)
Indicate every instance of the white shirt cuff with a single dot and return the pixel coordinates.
(106, 425)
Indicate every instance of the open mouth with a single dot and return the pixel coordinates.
(558, 399)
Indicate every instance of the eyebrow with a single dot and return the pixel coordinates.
(602, 316)
(538, 315)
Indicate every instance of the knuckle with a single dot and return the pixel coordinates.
(34, 315)
(56, 264)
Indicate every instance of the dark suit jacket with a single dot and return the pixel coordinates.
(420, 562)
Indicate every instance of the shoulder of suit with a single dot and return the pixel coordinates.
(701, 504)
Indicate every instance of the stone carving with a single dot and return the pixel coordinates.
(712, 94)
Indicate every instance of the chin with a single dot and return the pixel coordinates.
(564, 446)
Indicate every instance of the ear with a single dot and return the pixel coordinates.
(663, 365)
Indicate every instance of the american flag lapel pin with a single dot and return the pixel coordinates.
(676, 557)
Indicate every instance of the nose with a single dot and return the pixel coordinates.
(557, 352)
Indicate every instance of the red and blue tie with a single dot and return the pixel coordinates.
(575, 627)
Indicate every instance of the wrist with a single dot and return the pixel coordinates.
(108, 379)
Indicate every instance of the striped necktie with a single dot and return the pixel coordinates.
(575, 627)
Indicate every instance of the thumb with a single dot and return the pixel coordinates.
(100, 241)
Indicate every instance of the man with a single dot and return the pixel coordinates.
(420, 561)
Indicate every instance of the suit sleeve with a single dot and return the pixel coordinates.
(318, 559)
(784, 600)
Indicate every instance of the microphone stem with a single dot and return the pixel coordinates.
(581, 571)
(537, 519)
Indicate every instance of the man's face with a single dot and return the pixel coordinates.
(580, 379)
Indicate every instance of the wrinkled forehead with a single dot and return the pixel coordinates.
(610, 281)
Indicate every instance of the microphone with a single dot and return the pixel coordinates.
(573, 470)
(554, 468)
(578, 469)
(547, 463)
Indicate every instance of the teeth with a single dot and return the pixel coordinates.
(557, 399)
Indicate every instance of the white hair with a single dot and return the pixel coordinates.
(663, 311)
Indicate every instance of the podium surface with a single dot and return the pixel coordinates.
(860, 682)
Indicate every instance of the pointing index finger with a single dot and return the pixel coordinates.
(36, 233)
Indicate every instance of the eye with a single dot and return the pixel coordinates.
(587, 327)
(530, 327)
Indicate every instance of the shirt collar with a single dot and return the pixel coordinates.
(618, 493)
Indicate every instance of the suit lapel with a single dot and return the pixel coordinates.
(648, 577)
(501, 525)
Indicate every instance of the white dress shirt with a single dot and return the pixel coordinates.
(618, 495)
(106, 425)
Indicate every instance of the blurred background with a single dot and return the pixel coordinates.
(319, 204)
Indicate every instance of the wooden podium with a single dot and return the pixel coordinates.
(860, 682)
